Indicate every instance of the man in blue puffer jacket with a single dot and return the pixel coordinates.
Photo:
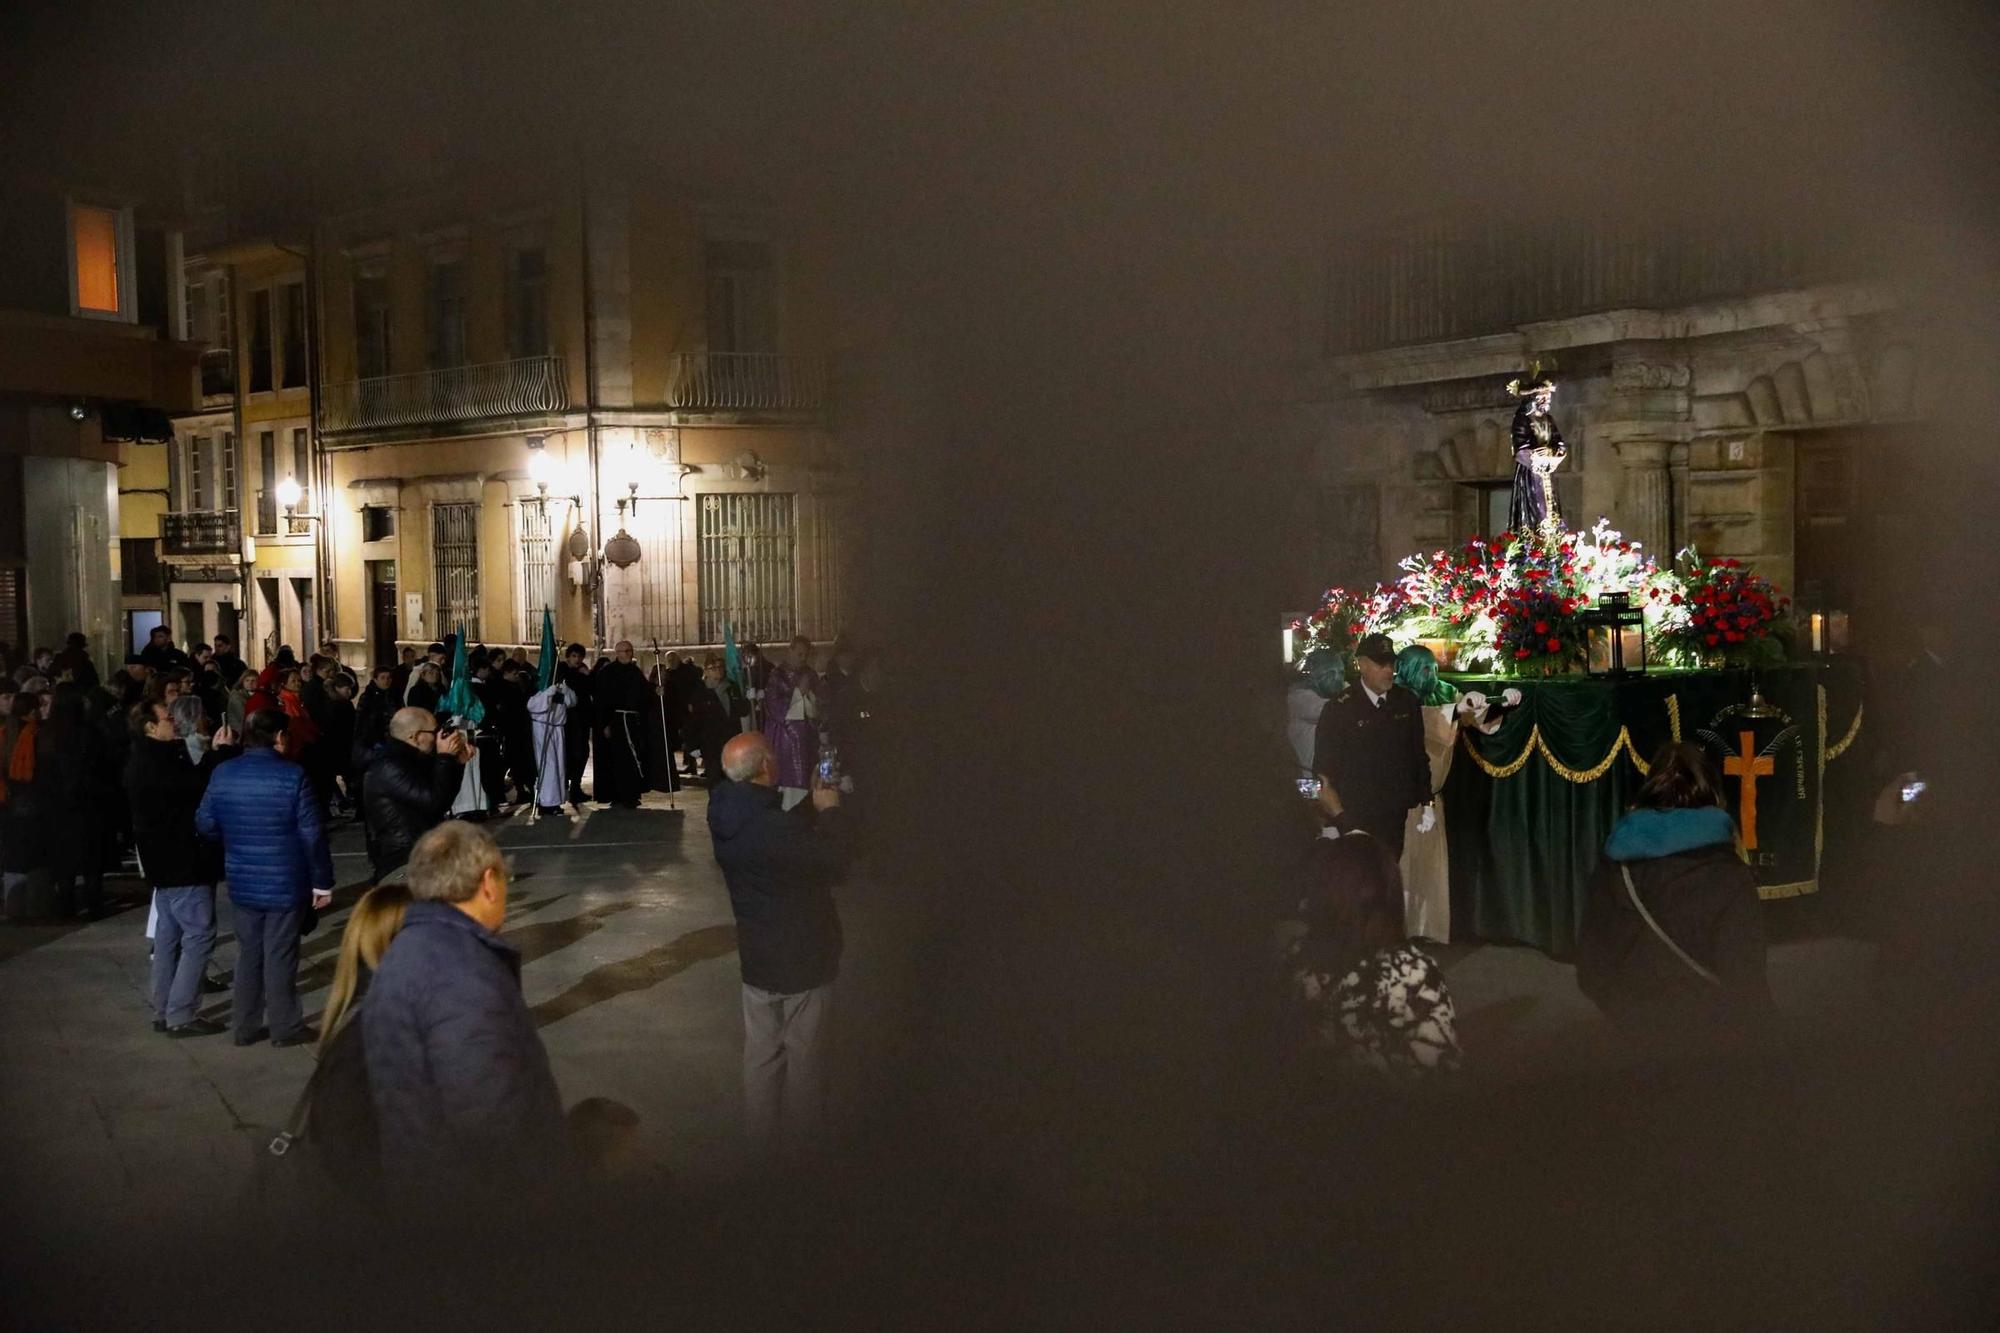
(262, 809)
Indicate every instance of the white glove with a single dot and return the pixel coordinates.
(1511, 697)
(1473, 703)
(1428, 819)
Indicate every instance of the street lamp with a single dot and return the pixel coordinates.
(289, 494)
(542, 470)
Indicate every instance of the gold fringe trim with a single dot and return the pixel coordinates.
(1674, 716)
(1622, 745)
(1839, 747)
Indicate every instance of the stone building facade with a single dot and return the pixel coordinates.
(1772, 425)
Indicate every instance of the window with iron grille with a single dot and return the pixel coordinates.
(749, 567)
(229, 469)
(455, 568)
(538, 566)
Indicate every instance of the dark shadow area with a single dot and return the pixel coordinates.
(646, 970)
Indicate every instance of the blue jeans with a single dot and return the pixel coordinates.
(267, 973)
(183, 937)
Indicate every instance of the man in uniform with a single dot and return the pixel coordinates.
(1368, 752)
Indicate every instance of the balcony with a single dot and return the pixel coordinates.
(218, 373)
(748, 382)
(1450, 279)
(527, 386)
(201, 532)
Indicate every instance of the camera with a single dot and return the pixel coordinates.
(1310, 788)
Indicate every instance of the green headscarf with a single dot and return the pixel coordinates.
(1325, 670)
(1417, 672)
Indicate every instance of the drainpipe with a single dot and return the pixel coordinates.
(598, 623)
(246, 604)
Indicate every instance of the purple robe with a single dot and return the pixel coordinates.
(796, 744)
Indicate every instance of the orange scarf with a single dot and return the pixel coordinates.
(21, 763)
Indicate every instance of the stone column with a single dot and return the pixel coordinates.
(1646, 504)
(1648, 413)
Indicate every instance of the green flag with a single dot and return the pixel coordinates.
(459, 701)
(545, 664)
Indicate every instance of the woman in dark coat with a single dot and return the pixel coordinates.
(76, 779)
(1672, 943)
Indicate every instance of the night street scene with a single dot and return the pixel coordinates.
(929, 666)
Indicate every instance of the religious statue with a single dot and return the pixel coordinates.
(1538, 451)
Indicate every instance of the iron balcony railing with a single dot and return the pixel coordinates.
(747, 382)
(1457, 278)
(201, 532)
(522, 387)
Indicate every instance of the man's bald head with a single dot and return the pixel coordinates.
(748, 758)
(414, 726)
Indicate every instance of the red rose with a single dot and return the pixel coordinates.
(1541, 627)
(1679, 600)
(1522, 652)
(1714, 639)
(1734, 636)
(1555, 645)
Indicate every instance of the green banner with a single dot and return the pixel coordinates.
(1529, 807)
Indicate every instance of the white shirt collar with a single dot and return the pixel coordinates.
(1373, 697)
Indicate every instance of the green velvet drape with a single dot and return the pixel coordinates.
(1523, 845)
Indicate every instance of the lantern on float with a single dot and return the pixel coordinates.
(1614, 637)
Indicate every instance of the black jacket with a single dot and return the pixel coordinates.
(165, 788)
(781, 867)
(404, 796)
(1374, 757)
(1698, 890)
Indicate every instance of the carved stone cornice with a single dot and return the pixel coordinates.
(1473, 395)
(1637, 376)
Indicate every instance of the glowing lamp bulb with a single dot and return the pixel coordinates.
(541, 468)
(289, 493)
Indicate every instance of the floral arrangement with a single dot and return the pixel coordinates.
(1514, 604)
(1718, 610)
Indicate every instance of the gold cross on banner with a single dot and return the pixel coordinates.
(1749, 766)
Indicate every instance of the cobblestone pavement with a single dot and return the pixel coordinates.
(625, 927)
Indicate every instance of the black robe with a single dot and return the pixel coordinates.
(1534, 500)
(577, 726)
(625, 713)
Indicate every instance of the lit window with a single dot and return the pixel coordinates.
(97, 247)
